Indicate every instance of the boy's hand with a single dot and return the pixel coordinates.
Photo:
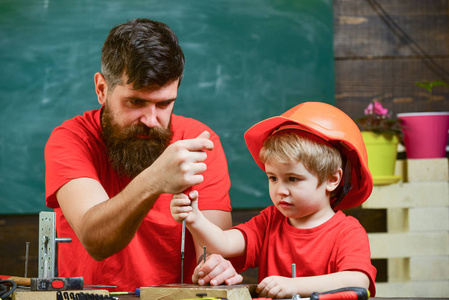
(277, 287)
(184, 206)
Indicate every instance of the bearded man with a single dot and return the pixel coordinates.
(110, 173)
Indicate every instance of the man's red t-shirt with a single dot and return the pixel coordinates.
(76, 149)
(273, 245)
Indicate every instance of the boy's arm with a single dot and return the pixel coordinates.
(228, 243)
(216, 270)
(284, 287)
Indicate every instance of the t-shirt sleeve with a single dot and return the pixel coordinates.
(354, 254)
(67, 157)
(254, 232)
(214, 190)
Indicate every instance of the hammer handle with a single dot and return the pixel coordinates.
(19, 280)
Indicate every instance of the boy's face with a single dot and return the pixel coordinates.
(295, 192)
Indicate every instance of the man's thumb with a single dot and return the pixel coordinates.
(205, 135)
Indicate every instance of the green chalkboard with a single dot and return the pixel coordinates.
(246, 60)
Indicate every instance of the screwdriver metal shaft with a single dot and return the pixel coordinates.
(183, 241)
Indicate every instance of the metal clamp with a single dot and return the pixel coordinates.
(47, 244)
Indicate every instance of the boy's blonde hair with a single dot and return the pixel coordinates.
(317, 156)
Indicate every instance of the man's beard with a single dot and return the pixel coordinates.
(129, 154)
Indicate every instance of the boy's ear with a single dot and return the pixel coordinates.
(334, 181)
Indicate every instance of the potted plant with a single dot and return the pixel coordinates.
(426, 133)
(381, 134)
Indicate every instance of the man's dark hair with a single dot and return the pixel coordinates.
(147, 51)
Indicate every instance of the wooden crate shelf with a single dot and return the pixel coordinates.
(416, 244)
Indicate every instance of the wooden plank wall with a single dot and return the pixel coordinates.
(371, 62)
(15, 231)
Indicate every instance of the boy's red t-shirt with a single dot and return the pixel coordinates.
(273, 245)
(75, 150)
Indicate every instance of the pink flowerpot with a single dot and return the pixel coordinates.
(425, 134)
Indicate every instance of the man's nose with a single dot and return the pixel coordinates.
(149, 116)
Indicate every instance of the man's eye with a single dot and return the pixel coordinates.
(164, 104)
(136, 102)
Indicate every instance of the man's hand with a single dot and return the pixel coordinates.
(277, 287)
(216, 271)
(181, 164)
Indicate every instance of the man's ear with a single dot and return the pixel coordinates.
(334, 180)
(101, 88)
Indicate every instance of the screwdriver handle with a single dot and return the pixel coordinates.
(349, 293)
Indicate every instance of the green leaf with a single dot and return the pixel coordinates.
(438, 82)
(426, 85)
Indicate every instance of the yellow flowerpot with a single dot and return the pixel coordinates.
(382, 153)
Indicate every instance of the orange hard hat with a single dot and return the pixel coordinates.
(338, 129)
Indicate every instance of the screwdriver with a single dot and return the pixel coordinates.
(183, 238)
(352, 293)
(349, 293)
(183, 242)
(137, 292)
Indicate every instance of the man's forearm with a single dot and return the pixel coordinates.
(106, 226)
(109, 228)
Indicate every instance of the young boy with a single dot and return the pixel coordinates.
(312, 155)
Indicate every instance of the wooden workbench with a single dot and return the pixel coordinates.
(130, 297)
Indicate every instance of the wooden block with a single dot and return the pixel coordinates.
(409, 195)
(421, 170)
(390, 245)
(410, 289)
(49, 295)
(401, 166)
(428, 219)
(397, 220)
(189, 291)
(429, 268)
(398, 269)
